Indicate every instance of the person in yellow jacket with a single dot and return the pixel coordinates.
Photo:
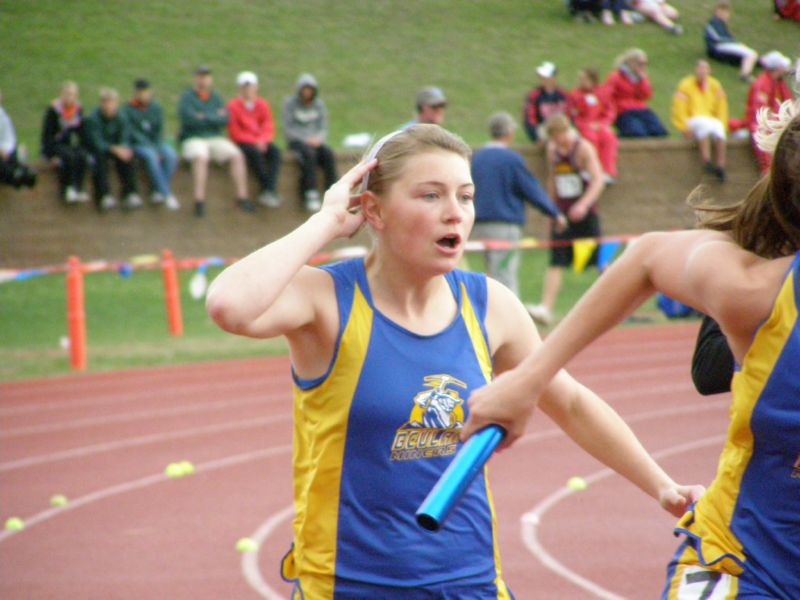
(700, 112)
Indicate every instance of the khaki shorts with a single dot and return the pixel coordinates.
(218, 149)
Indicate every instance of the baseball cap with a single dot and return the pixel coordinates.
(141, 84)
(775, 60)
(246, 78)
(546, 69)
(431, 96)
(203, 70)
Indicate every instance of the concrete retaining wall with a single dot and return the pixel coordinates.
(37, 229)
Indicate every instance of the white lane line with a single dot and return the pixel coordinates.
(533, 518)
(143, 440)
(252, 573)
(144, 482)
(132, 416)
(108, 395)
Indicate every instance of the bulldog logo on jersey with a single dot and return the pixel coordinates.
(436, 416)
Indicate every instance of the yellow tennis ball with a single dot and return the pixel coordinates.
(15, 524)
(187, 467)
(577, 483)
(174, 471)
(58, 500)
(246, 544)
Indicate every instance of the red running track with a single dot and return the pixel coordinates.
(131, 533)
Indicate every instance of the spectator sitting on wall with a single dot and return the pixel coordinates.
(629, 89)
(12, 170)
(146, 119)
(252, 128)
(768, 91)
(593, 113)
(723, 47)
(203, 119)
(700, 112)
(787, 9)
(305, 125)
(64, 142)
(109, 138)
(544, 101)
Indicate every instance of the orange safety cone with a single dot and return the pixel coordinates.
(76, 315)
(172, 295)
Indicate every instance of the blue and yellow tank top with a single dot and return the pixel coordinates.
(373, 435)
(748, 521)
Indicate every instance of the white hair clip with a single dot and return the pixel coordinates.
(373, 154)
(771, 124)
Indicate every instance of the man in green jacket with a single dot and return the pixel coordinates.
(146, 119)
(109, 140)
(203, 119)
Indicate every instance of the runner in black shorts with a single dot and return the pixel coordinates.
(575, 181)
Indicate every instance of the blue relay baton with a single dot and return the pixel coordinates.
(456, 478)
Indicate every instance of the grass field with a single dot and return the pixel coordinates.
(127, 326)
(370, 57)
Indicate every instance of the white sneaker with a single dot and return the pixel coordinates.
(269, 199)
(157, 198)
(108, 201)
(82, 196)
(540, 313)
(71, 195)
(172, 203)
(133, 201)
(311, 201)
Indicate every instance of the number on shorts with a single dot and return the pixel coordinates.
(710, 578)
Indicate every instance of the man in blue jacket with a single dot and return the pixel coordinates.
(502, 186)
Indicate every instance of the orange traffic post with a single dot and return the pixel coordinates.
(76, 314)
(172, 295)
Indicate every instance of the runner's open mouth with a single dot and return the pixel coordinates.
(449, 241)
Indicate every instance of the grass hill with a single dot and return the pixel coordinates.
(370, 57)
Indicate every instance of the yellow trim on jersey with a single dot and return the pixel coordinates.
(712, 516)
(679, 587)
(324, 410)
(502, 590)
(485, 362)
(476, 335)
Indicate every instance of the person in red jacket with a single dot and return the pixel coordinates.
(252, 128)
(787, 9)
(592, 112)
(629, 88)
(769, 90)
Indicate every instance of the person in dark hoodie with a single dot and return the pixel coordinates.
(64, 142)
(305, 124)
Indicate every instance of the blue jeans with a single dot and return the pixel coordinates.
(639, 123)
(161, 162)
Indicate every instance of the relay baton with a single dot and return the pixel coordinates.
(452, 484)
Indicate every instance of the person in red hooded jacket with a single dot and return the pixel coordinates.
(769, 90)
(630, 89)
(787, 9)
(593, 114)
